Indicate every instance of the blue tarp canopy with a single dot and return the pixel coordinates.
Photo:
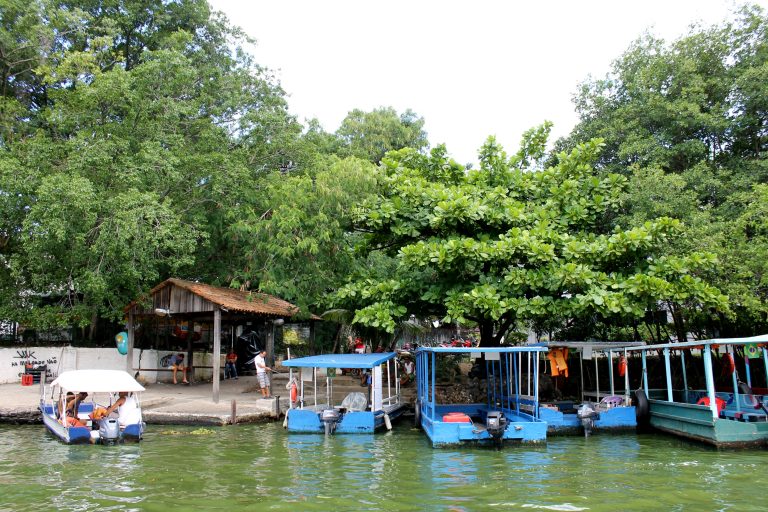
(341, 360)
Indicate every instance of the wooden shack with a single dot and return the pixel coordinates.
(202, 303)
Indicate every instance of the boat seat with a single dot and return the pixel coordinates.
(744, 416)
(355, 401)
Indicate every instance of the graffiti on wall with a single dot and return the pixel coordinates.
(26, 359)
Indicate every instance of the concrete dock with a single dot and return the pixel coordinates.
(171, 404)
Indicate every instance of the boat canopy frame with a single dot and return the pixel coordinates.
(606, 348)
(706, 347)
(369, 361)
(502, 362)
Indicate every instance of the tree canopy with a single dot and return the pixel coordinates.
(128, 129)
(687, 123)
(513, 242)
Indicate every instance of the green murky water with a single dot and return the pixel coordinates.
(261, 467)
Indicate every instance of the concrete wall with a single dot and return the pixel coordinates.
(60, 359)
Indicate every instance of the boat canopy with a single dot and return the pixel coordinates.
(579, 346)
(480, 350)
(97, 381)
(763, 338)
(366, 361)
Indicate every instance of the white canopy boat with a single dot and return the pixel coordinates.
(89, 394)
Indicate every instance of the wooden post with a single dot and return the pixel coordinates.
(233, 418)
(216, 363)
(129, 355)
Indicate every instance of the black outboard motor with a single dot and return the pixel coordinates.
(330, 417)
(496, 424)
(587, 415)
(109, 431)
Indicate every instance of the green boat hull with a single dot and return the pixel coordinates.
(695, 422)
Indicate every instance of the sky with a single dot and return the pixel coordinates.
(470, 68)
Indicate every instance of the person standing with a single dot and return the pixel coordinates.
(261, 373)
(230, 368)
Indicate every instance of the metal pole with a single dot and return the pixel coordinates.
(645, 371)
(765, 363)
(626, 376)
(597, 377)
(536, 389)
(581, 373)
(668, 370)
(610, 370)
(736, 397)
(685, 375)
(705, 352)
(433, 400)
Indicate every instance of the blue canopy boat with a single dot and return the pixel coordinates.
(92, 390)
(721, 409)
(358, 412)
(600, 409)
(508, 411)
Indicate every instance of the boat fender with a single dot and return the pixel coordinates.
(622, 366)
(417, 414)
(387, 421)
(642, 411)
(729, 366)
(285, 421)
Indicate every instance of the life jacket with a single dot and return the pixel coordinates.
(558, 358)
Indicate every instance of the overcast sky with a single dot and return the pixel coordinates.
(470, 68)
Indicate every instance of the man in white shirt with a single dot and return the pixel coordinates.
(261, 373)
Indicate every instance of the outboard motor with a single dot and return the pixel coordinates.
(109, 431)
(496, 424)
(330, 417)
(587, 415)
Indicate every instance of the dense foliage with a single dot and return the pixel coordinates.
(511, 242)
(139, 140)
(687, 123)
(128, 128)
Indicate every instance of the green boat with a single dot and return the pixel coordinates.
(709, 401)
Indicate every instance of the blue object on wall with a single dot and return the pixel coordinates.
(121, 339)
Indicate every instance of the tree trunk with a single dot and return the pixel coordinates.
(486, 334)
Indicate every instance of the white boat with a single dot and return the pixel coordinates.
(103, 388)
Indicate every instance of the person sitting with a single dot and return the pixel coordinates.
(176, 363)
(71, 408)
(128, 412)
(230, 368)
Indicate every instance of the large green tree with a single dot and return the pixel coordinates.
(370, 135)
(686, 123)
(513, 241)
(295, 236)
(128, 134)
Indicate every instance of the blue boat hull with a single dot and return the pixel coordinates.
(354, 422)
(614, 419)
(522, 427)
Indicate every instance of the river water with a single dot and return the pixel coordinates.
(261, 467)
